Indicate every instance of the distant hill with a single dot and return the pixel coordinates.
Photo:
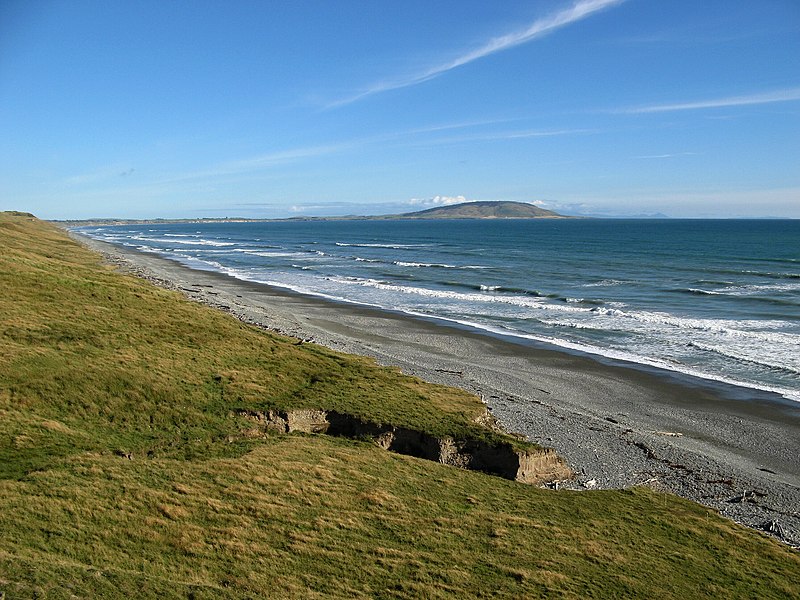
(484, 210)
(465, 210)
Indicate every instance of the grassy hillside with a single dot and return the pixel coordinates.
(125, 470)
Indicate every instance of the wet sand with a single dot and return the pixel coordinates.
(734, 449)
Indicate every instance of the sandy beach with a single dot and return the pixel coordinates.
(736, 450)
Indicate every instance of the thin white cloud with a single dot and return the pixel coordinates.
(578, 11)
(281, 157)
(260, 162)
(658, 156)
(504, 135)
(689, 34)
(450, 126)
(515, 135)
(785, 95)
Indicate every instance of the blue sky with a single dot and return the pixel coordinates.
(271, 109)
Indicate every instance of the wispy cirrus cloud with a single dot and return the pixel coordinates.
(262, 161)
(271, 159)
(408, 137)
(502, 135)
(461, 125)
(784, 95)
(661, 156)
(543, 26)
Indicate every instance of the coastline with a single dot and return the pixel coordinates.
(617, 425)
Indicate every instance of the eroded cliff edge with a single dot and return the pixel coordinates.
(532, 465)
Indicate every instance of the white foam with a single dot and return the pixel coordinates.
(755, 356)
(197, 242)
(569, 324)
(746, 290)
(514, 300)
(389, 246)
(743, 328)
(604, 283)
(401, 263)
(276, 254)
(621, 355)
(725, 347)
(774, 275)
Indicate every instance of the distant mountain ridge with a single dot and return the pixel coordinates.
(484, 210)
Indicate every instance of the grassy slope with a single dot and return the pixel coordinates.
(95, 366)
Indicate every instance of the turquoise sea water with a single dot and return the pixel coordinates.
(719, 299)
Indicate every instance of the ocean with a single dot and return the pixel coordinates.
(716, 299)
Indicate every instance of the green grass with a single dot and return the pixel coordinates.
(96, 367)
(119, 361)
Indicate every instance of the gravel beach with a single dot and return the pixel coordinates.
(733, 449)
